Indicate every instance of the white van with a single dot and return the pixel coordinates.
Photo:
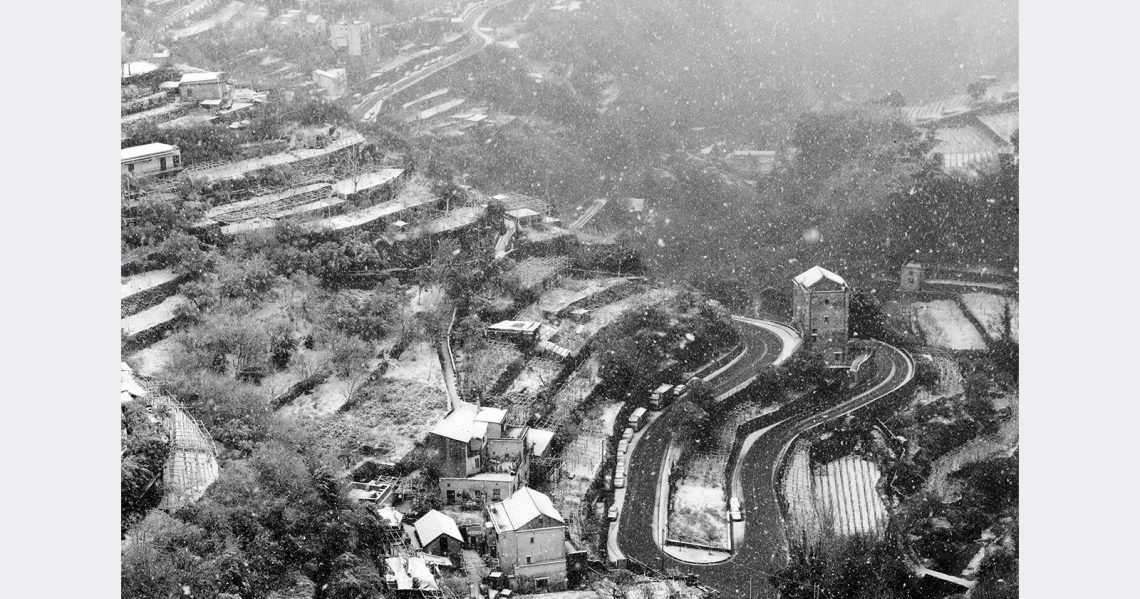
(637, 419)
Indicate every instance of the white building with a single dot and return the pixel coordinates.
(205, 86)
(334, 82)
(530, 541)
(150, 159)
(354, 37)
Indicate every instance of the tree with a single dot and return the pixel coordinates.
(186, 254)
(251, 279)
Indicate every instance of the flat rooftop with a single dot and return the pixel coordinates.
(145, 151)
(515, 326)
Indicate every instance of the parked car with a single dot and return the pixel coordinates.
(619, 482)
(613, 513)
(627, 434)
(734, 510)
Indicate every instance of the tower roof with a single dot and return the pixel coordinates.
(812, 276)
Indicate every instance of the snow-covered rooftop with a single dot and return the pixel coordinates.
(210, 77)
(468, 421)
(815, 274)
(145, 150)
(433, 524)
(518, 326)
(519, 509)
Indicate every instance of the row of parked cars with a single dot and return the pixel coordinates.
(658, 398)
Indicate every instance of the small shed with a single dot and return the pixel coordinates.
(524, 216)
(150, 159)
(438, 534)
(524, 330)
(205, 86)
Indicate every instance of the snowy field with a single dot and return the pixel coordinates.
(698, 505)
(129, 286)
(944, 325)
(418, 364)
(989, 309)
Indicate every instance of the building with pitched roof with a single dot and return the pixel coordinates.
(820, 302)
(438, 534)
(481, 458)
(529, 538)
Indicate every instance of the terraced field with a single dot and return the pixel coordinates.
(845, 494)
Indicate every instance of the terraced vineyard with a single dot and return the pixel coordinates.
(845, 493)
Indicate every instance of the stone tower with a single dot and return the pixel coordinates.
(820, 300)
(911, 276)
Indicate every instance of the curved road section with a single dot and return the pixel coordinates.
(764, 546)
(766, 343)
(370, 107)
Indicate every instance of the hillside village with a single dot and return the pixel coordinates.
(356, 356)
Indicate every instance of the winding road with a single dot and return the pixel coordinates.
(367, 110)
(764, 547)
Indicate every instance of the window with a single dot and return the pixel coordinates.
(532, 540)
(130, 168)
(496, 494)
(177, 161)
(162, 163)
(528, 559)
(542, 583)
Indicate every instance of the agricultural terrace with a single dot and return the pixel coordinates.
(990, 310)
(845, 493)
(957, 322)
(389, 417)
(533, 272)
(943, 324)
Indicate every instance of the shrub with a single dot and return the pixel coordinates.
(250, 279)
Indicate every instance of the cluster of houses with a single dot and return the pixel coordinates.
(484, 464)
